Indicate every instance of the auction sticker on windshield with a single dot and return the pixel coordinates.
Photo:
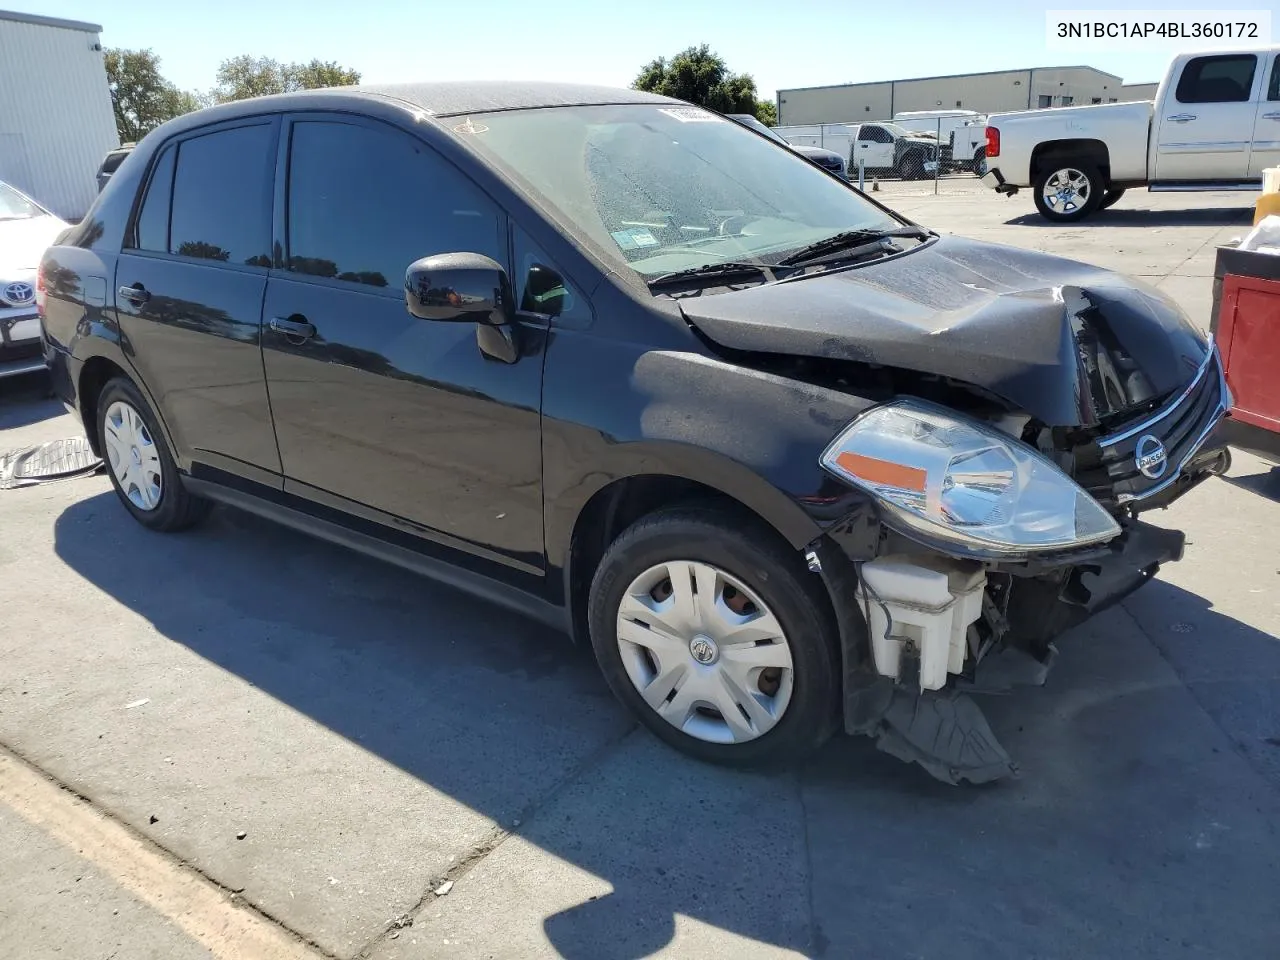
(634, 239)
(690, 115)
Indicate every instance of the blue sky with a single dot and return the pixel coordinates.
(782, 43)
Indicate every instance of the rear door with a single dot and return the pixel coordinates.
(188, 293)
(380, 414)
(1266, 131)
(1206, 124)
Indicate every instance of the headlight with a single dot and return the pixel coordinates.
(960, 480)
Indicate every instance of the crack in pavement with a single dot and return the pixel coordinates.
(480, 851)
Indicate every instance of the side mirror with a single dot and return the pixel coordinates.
(461, 288)
(458, 287)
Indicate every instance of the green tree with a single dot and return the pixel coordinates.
(141, 97)
(699, 76)
(247, 76)
(767, 112)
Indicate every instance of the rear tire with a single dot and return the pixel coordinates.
(139, 463)
(747, 575)
(1110, 197)
(1067, 191)
(980, 162)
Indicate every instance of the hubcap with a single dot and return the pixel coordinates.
(132, 455)
(705, 652)
(1066, 191)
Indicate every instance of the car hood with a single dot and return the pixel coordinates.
(22, 242)
(1066, 342)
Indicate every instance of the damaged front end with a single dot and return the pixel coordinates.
(1023, 411)
(974, 552)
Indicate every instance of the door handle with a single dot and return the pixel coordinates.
(298, 329)
(1271, 116)
(134, 294)
(1181, 117)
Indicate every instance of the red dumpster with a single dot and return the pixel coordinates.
(1246, 327)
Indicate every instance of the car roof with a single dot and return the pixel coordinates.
(444, 99)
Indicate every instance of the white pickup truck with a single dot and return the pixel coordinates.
(1214, 125)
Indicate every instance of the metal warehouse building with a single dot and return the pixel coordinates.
(984, 92)
(56, 118)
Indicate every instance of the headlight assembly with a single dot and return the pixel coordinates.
(965, 482)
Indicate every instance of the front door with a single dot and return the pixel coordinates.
(874, 147)
(189, 287)
(1205, 128)
(378, 413)
(1266, 131)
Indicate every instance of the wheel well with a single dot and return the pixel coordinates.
(1093, 152)
(614, 508)
(93, 377)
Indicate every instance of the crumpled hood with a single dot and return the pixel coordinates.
(23, 242)
(1066, 342)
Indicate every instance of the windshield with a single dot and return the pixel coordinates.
(14, 206)
(668, 188)
(897, 131)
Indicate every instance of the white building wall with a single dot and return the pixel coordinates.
(56, 119)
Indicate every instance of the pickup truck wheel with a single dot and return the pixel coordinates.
(711, 631)
(980, 162)
(911, 166)
(1110, 197)
(1068, 192)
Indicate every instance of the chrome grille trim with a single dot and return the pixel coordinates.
(1171, 407)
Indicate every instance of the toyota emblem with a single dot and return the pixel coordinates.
(1150, 457)
(18, 293)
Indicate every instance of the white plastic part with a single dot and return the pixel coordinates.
(930, 604)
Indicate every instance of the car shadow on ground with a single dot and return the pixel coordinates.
(1118, 216)
(25, 400)
(1264, 484)
(855, 853)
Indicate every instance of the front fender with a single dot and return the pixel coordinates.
(615, 410)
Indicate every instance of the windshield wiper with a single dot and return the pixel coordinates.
(850, 241)
(725, 270)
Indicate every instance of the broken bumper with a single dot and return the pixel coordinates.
(943, 729)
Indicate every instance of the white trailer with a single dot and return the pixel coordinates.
(56, 118)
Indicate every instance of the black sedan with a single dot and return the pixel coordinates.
(786, 460)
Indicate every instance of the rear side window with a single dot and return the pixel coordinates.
(1221, 79)
(366, 202)
(1273, 89)
(222, 196)
(153, 218)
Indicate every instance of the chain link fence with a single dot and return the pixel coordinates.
(913, 155)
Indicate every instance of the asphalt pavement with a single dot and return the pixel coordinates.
(240, 742)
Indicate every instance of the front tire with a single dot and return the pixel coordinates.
(911, 166)
(1066, 192)
(139, 463)
(712, 632)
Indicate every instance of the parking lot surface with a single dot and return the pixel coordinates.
(275, 747)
